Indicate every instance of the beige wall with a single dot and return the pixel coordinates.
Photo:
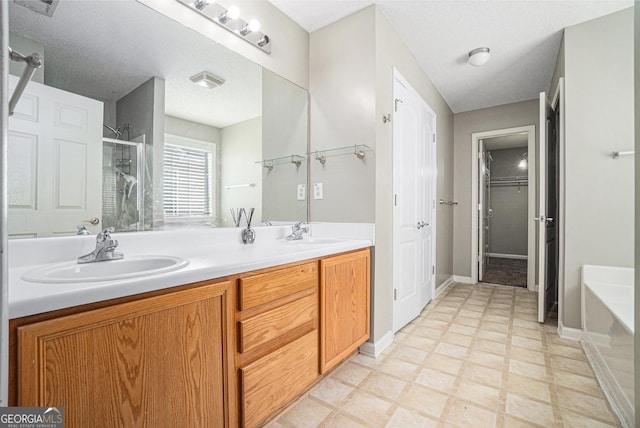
(391, 52)
(599, 215)
(351, 89)
(488, 119)
(342, 86)
(290, 47)
(241, 145)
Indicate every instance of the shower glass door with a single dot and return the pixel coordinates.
(122, 186)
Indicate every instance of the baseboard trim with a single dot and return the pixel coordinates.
(443, 286)
(463, 279)
(507, 256)
(374, 350)
(569, 333)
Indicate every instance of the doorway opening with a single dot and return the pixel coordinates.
(503, 234)
(503, 205)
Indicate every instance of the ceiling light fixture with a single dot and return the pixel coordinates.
(479, 56)
(523, 164)
(207, 79)
(230, 20)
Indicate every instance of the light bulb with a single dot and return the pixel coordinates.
(522, 164)
(254, 25)
(233, 12)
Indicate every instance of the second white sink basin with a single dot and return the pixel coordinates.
(129, 267)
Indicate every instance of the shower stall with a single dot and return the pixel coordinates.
(122, 184)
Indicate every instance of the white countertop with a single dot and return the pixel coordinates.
(212, 253)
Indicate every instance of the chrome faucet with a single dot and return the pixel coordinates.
(296, 231)
(105, 248)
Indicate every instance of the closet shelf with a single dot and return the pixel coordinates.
(357, 149)
(292, 159)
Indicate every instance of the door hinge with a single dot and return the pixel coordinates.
(479, 207)
(398, 100)
(433, 270)
(433, 138)
(395, 294)
(395, 199)
(434, 204)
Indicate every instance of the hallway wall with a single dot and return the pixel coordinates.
(464, 124)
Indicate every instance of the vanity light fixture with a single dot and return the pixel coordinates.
(229, 15)
(229, 19)
(251, 27)
(200, 4)
(523, 164)
(207, 79)
(479, 56)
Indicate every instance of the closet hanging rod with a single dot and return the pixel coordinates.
(34, 62)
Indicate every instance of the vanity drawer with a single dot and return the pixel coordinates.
(267, 287)
(281, 324)
(271, 382)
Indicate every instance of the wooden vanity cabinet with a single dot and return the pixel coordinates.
(167, 360)
(277, 339)
(344, 306)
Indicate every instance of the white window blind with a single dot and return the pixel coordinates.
(188, 180)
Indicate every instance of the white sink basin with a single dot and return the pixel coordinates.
(129, 267)
(314, 241)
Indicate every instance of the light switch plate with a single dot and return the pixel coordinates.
(317, 191)
(302, 192)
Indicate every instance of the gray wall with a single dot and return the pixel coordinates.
(342, 86)
(508, 224)
(284, 133)
(464, 124)
(599, 215)
(143, 109)
(241, 143)
(351, 87)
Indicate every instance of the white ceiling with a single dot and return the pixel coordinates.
(524, 37)
(105, 49)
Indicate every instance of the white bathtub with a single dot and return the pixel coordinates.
(608, 328)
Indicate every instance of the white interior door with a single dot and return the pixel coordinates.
(545, 111)
(55, 147)
(413, 204)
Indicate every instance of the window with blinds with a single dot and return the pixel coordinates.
(188, 179)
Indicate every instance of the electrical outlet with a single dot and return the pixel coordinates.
(301, 192)
(317, 191)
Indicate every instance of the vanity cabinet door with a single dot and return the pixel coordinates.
(167, 360)
(344, 306)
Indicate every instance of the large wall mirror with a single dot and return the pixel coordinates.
(141, 123)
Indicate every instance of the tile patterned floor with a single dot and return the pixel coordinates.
(475, 357)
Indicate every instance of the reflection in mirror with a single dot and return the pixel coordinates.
(143, 124)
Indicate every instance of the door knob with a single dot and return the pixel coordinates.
(94, 221)
(422, 224)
